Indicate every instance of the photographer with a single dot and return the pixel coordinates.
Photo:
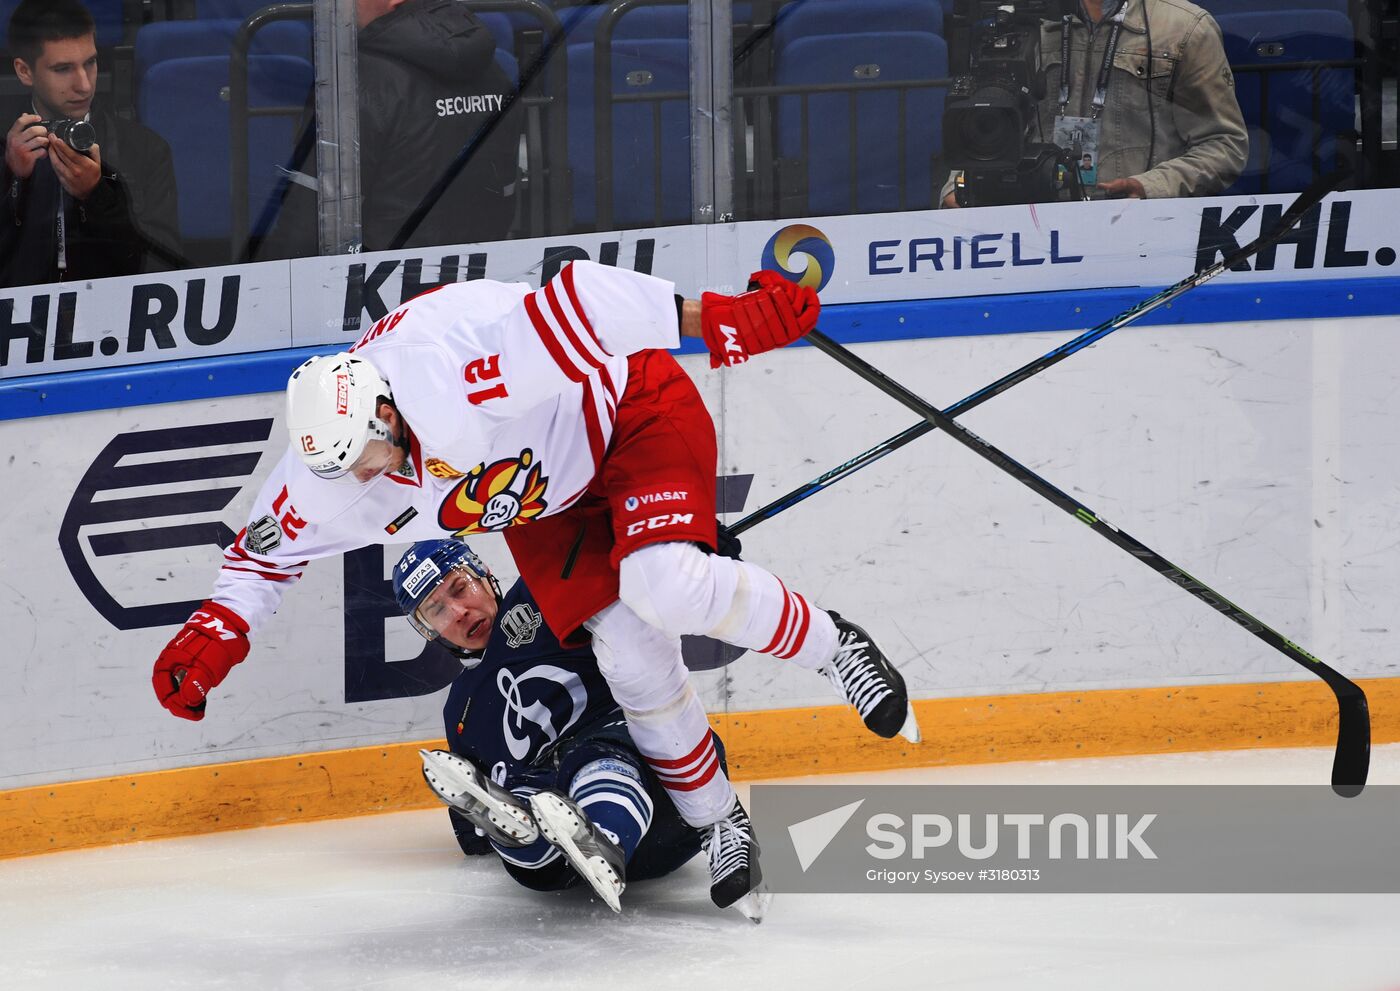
(83, 193)
(1160, 125)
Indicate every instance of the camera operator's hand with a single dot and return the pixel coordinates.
(25, 145)
(1128, 188)
(950, 202)
(78, 171)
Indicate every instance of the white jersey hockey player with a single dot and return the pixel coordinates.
(555, 417)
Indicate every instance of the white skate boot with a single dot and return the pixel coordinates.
(500, 815)
(598, 860)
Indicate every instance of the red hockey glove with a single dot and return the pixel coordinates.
(772, 313)
(213, 640)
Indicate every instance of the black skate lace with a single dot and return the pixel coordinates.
(857, 677)
(728, 846)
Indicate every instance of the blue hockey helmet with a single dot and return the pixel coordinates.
(420, 572)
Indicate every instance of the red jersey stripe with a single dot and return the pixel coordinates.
(551, 342)
(264, 574)
(596, 445)
(567, 278)
(589, 357)
(609, 385)
(235, 552)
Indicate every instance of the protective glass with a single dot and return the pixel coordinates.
(460, 609)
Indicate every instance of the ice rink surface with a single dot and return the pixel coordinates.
(387, 902)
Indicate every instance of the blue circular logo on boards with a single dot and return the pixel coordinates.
(801, 239)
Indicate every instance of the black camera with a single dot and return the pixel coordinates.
(990, 108)
(77, 134)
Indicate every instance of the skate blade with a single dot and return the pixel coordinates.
(754, 905)
(910, 729)
(557, 824)
(450, 780)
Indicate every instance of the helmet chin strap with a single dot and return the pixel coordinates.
(469, 658)
(401, 438)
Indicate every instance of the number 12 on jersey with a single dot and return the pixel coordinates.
(482, 370)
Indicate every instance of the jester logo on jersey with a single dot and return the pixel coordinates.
(493, 497)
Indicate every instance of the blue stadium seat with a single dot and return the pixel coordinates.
(650, 146)
(807, 18)
(1295, 130)
(847, 144)
(165, 40)
(508, 65)
(182, 82)
(501, 28)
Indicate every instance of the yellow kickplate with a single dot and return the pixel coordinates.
(772, 743)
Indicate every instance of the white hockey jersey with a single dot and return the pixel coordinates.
(510, 395)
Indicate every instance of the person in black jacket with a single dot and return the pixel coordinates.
(70, 211)
(428, 83)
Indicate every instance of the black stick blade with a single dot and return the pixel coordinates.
(1352, 760)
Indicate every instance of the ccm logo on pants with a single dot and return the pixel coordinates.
(657, 522)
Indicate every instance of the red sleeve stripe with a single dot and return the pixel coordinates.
(292, 576)
(265, 565)
(571, 369)
(611, 388)
(585, 344)
(235, 552)
(567, 278)
(243, 564)
(597, 444)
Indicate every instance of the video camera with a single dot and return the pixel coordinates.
(989, 108)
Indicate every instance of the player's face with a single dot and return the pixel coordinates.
(64, 77)
(461, 610)
(380, 457)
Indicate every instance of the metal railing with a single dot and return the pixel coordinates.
(546, 204)
(766, 179)
(240, 116)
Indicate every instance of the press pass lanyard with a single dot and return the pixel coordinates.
(1101, 89)
(62, 231)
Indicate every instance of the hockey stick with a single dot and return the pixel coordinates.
(1352, 758)
(1306, 200)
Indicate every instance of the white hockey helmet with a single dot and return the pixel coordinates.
(332, 407)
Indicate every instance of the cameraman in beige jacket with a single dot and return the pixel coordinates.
(1169, 124)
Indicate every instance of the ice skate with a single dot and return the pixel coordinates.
(500, 815)
(598, 860)
(734, 873)
(865, 679)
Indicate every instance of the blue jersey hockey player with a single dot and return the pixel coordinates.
(539, 758)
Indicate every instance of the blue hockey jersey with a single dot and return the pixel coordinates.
(526, 693)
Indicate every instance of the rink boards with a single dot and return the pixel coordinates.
(1256, 454)
(1025, 634)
